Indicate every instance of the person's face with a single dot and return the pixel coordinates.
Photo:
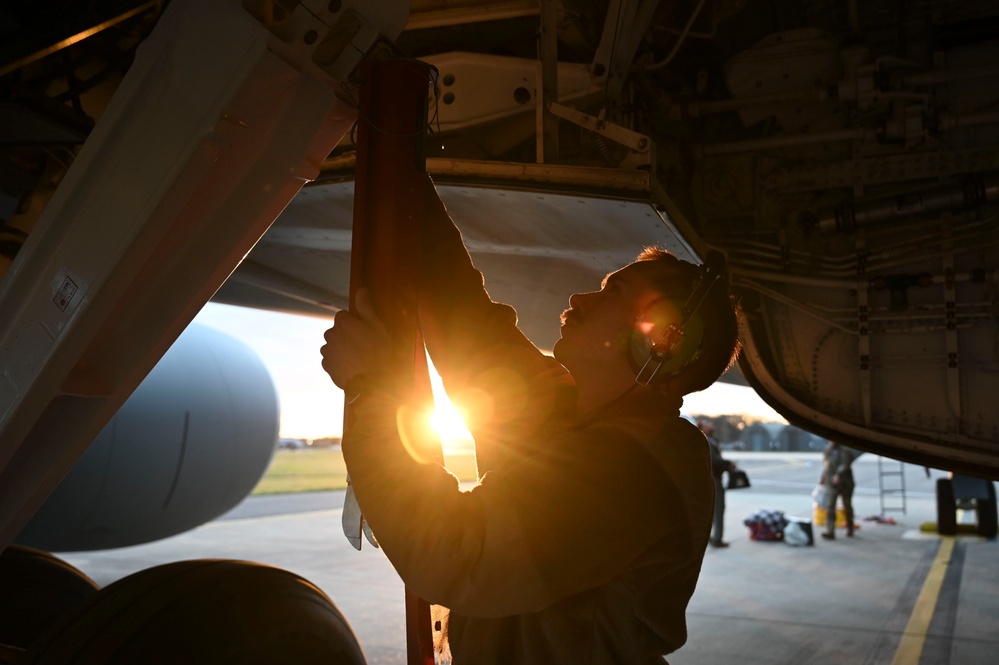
(597, 327)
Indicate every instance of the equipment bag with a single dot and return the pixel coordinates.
(737, 480)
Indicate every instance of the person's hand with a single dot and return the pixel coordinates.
(357, 343)
(835, 479)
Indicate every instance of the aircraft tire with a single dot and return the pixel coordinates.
(985, 512)
(202, 612)
(36, 590)
(946, 508)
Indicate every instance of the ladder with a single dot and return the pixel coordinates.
(891, 485)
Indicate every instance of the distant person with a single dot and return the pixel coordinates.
(583, 540)
(837, 470)
(719, 465)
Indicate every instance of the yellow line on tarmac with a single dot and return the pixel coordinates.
(910, 647)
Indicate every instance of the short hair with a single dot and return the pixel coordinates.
(720, 312)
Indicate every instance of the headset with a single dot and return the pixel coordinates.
(658, 358)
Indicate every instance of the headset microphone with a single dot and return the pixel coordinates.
(666, 353)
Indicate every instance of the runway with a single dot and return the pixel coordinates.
(891, 595)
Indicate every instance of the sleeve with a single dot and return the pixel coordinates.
(462, 325)
(539, 531)
(502, 382)
(840, 461)
(719, 464)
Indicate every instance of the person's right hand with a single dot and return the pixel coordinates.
(357, 342)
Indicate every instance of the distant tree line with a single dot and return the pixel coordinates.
(736, 432)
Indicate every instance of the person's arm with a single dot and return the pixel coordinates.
(489, 368)
(718, 463)
(839, 463)
(462, 326)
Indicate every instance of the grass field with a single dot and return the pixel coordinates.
(322, 469)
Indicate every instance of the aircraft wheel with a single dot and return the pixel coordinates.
(985, 512)
(203, 612)
(37, 589)
(946, 508)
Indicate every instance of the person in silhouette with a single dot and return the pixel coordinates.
(837, 461)
(719, 465)
(560, 553)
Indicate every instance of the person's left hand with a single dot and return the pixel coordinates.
(357, 343)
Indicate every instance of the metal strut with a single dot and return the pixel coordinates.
(389, 189)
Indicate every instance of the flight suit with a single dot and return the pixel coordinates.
(583, 539)
(837, 460)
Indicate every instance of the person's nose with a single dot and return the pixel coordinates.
(578, 301)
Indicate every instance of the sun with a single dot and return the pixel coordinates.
(448, 422)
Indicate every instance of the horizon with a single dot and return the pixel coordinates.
(311, 406)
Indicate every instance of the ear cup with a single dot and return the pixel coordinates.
(649, 329)
(668, 336)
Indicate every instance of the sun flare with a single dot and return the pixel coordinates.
(448, 422)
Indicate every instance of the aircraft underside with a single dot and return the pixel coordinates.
(844, 156)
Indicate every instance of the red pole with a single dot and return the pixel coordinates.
(389, 187)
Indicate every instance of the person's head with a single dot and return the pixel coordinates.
(608, 334)
(706, 426)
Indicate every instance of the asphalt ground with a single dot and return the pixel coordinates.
(896, 593)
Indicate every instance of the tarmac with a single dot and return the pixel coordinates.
(896, 593)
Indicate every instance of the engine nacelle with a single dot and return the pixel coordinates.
(189, 444)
